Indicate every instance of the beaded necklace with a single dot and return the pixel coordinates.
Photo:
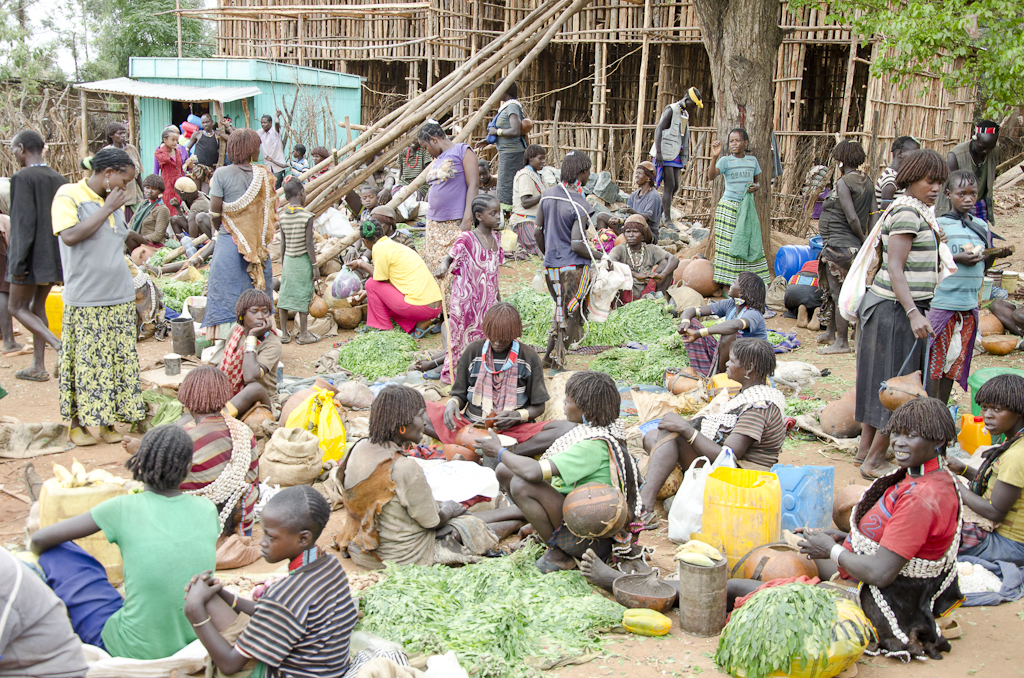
(305, 558)
(409, 162)
(633, 261)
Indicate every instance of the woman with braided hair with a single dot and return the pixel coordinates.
(994, 490)
(391, 512)
(164, 535)
(904, 536)
(98, 366)
(401, 288)
(592, 452)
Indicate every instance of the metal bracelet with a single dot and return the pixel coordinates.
(836, 551)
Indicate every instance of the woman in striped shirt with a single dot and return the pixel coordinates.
(893, 331)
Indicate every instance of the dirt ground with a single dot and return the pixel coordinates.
(990, 633)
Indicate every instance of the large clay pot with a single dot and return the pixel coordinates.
(988, 324)
(681, 382)
(595, 511)
(469, 434)
(347, 318)
(699, 276)
(837, 419)
(1000, 344)
(843, 503)
(776, 561)
(677, 275)
(899, 390)
(452, 451)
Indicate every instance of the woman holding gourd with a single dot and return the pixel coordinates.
(892, 328)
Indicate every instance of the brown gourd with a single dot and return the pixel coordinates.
(899, 390)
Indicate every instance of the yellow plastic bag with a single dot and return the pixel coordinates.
(851, 634)
(318, 415)
(509, 240)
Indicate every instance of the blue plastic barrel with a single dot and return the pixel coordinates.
(806, 495)
(195, 119)
(790, 258)
(816, 245)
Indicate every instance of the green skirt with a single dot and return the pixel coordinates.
(98, 367)
(296, 284)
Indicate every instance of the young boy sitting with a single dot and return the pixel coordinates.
(298, 271)
(302, 624)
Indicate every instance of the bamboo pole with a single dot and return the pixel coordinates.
(851, 67)
(177, 16)
(83, 143)
(641, 104)
(132, 134)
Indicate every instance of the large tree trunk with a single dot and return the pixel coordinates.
(742, 39)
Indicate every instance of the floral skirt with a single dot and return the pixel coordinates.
(440, 237)
(98, 367)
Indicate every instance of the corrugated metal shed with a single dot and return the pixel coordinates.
(327, 96)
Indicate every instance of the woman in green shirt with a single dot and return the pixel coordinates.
(164, 535)
(593, 452)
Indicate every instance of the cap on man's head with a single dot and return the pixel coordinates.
(185, 185)
(384, 211)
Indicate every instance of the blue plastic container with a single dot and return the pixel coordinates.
(816, 245)
(790, 258)
(195, 119)
(807, 493)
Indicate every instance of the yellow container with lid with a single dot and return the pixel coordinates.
(743, 508)
(58, 503)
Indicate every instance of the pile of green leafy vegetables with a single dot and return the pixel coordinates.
(378, 354)
(502, 617)
(160, 257)
(634, 366)
(177, 291)
(775, 628)
(644, 321)
(797, 406)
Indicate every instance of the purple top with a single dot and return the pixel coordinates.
(447, 180)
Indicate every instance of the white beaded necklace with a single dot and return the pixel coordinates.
(230, 485)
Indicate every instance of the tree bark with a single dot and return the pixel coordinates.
(742, 40)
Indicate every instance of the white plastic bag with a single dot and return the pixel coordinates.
(688, 506)
(610, 278)
(333, 224)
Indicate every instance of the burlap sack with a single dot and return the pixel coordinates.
(236, 551)
(292, 457)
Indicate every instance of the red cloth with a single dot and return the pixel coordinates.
(435, 412)
(231, 364)
(916, 518)
(385, 303)
(170, 171)
(802, 579)
(626, 296)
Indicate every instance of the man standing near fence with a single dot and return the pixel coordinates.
(671, 149)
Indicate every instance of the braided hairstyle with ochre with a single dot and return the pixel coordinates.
(502, 323)
(921, 164)
(394, 407)
(164, 458)
(1005, 391)
(301, 508)
(251, 298)
(205, 390)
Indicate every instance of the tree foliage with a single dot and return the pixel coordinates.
(19, 58)
(962, 41)
(127, 28)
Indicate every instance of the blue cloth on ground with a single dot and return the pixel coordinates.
(1013, 583)
(80, 581)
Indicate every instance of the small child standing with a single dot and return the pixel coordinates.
(302, 624)
(298, 272)
(474, 261)
(954, 309)
(299, 162)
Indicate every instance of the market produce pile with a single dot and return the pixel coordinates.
(634, 366)
(797, 406)
(498, 616)
(774, 628)
(177, 291)
(378, 354)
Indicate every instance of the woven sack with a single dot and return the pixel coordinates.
(292, 457)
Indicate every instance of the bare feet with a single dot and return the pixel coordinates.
(836, 348)
(597, 572)
(813, 324)
(801, 316)
(131, 445)
(825, 338)
(555, 559)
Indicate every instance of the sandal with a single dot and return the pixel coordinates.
(951, 629)
(884, 471)
(81, 437)
(300, 342)
(109, 435)
(649, 520)
(286, 338)
(24, 350)
(418, 333)
(26, 376)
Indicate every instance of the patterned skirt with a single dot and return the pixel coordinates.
(728, 267)
(98, 367)
(438, 243)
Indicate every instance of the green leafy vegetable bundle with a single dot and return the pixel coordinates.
(536, 310)
(494, 615)
(643, 367)
(776, 627)
(378, 354)
(160, 257)
(797, 406)
(177, 291)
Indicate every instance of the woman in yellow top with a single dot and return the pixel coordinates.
(995, 487)
(98, 367)
(401, 287)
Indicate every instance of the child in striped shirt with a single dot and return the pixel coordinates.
(302, 624)
(298, 263)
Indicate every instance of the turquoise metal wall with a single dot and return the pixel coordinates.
(341, 93)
